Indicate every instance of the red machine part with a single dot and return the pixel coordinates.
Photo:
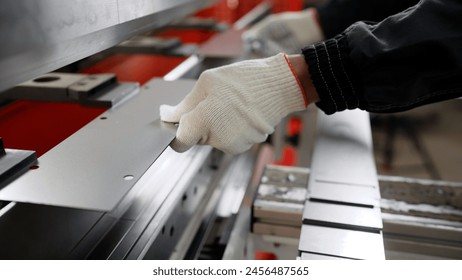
(135, 68)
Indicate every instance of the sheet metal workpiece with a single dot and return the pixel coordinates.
(95, 167)
(342, 216)
(344, 243)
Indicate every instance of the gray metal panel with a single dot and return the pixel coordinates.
(345, 216)
(24, 24)
(170, 175)
(155, 45)
(88, 170)
(100, 90)
(342, 243)
(133, 9)
(41, 36)
(354, 194)
(343, 157)
(111, 98)
(343, 150)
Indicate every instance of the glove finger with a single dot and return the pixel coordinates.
(174, 113)
(168, 113)
(190, 131)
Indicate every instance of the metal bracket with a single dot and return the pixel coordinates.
(278, 205)
(100, 90)
(154, 45)
(198, 23)
(13, 163)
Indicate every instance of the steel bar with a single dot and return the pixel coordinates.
(342, 215)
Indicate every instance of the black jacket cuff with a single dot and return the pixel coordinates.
(334, 76)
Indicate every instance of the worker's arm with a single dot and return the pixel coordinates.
(407, 60)
(289, 31)
(235, 106)
(336, 15)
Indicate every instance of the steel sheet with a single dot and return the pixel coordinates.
(95, 167)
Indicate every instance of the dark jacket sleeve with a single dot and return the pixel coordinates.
(407, 60)
(336, 15)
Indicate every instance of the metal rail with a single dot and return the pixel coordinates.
(342, 217)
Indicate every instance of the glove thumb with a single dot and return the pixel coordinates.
(169, 113)
(189, 133)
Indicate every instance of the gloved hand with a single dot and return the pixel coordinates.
(235, 106)
(285, 32)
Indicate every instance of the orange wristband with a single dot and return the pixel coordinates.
(305, 99)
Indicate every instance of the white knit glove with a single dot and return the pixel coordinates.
(235, 106)
(285, 32)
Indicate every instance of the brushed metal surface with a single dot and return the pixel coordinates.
(133, 9)
(42, 36)
(342, 243)
(344, 216)
(99, 90)
(94, 168)
(343, 149)
(345, 193)
(342, 161)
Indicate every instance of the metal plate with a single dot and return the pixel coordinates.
(155, 45)
(49, 87)
(342, 156)
(343, 216)
(90, 169)
(112, 97)
(343, 150)
(345, 193)
(341, 243)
